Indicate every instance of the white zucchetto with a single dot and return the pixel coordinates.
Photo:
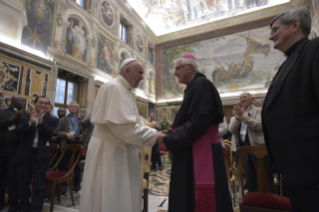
(126, 62)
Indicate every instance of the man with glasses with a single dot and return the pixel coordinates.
(70, 130)
(33, 154)
(198, 177)
(290, 115)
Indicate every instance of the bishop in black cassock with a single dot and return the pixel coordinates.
(198, 176)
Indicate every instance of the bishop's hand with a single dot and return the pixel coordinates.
(160, 136)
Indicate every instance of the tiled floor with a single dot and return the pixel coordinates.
(158, 195)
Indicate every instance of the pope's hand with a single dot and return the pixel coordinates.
(160, 136)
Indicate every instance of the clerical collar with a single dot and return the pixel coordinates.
(125, 82)
(294, 47)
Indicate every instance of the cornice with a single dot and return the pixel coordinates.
(24, 55)
(136, 19)
(227, 22)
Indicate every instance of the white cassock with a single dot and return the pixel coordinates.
(112, 179)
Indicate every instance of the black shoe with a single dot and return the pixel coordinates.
(153, 168)
(160, 167)
(63, 189)
(76, 188)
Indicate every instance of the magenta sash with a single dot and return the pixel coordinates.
(204, 170)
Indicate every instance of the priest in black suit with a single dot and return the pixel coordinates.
(290, 114)
(33, 154)
(198, 177)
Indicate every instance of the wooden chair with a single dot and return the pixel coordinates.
(54, 151)
(58, 177)
(164, 152)
(147, 169)
(262, 200)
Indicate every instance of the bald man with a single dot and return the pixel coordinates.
(9, 141)
(247, 128)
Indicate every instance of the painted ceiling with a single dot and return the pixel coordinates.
(166, 16)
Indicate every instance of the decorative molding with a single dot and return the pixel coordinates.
(11, 51)
(224, 23)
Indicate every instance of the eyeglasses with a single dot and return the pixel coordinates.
(274, 30)
(179, 67)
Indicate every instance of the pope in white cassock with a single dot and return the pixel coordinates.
(112, 173)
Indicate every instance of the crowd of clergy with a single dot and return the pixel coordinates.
(113, 137)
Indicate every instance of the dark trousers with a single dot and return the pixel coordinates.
(156, 156)
(8, 175)
(303, 198)
(25, 171)
(64, 164)
(250, 168)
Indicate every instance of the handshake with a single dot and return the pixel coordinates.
(161, 135)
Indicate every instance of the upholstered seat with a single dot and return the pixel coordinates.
(263, 200)
(55, 175)
(267, 200)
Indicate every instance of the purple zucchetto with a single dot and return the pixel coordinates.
(190, 56)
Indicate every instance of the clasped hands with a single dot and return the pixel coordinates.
(71, 137)
(161, 135)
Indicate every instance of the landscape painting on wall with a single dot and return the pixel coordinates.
(313, 6)
(238, 62)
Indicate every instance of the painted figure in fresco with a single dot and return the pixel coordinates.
(140, 43)
(107, 13)
(77, 38)
(107, 57)
(151, 86)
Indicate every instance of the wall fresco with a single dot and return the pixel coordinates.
(237, 62)
(105, 55)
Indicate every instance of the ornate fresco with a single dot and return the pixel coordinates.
(105, 55)
(242, 61)
(165, 16)
(107, 13)
(313, 6)
(37, 34)
(76, 38)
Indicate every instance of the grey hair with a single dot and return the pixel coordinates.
(302, 13)
(185, 61)
(74, 102)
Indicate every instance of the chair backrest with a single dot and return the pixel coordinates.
(54, 151)
(147, 159)
(76, 154)
(230, 156)
(162, 146)
(259, 152)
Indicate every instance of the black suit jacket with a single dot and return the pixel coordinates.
(290, 116)
(5, 122)
(27, 133)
